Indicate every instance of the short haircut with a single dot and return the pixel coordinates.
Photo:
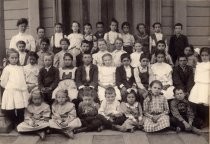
(110, 90)
(45, 40)
(22, 21)
(144, 55)
(118, 38)
(33, 54)
(140, 24)
(66, 40)
(160, 52)
(156, 23)
(106, 54)
(178, 24)
(181, 56)
(101, 39)
(88, 24)
(11, 51)
(49, 55)
(87, 92)
(20, 42)
(39, 27)
(161, 42)
(178, 88)
(125, 55)
(125, 24)
(86, 53)
(60, 24)
(86, 42)
(68, 55)
(99, 23)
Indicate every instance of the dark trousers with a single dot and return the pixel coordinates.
(16, 116)
(56, 50)
(128, 49)
(92, 123)
(47, 98)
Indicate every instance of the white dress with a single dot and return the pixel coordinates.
(97, 57)
(135, 59)
(200, 92)
(116, 54)
(106, 76)
(15, 95)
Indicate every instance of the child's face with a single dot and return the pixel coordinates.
(178, 29)
(64, 45)
(126, 62)
(13, 58)
(131, 99)
(161, 46)
(85, 47)
(32, 60)
(179, 94)
(87, 59)
(138, 47)
(107, 60)
(22, 27)
(100, 28)
(205, 56)
(157, 28)
(110, 97)
(41, 33)
(141, 29)
(75, 27)
(102, 46)
(125, 29)
(118, 44)
(36, 99)
(113, 26)
(156, 89)
(182, 61)
(44, 46)
(187, 51)
(21, 47)
(48, 61)
(58, 28)
(67, 61)
(160, 58)
(87, 99)
(144, 62)
(61, 97)
(87, 29)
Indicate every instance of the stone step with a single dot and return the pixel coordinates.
(26, 139)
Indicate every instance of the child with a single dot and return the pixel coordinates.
(87, 112)
(23, 36)
(161, 45)
(192, 56)
(125, 76)
(37, 115)
(48, 78)
(40, 35)
(112, 35)
(58, 59)
(177, 42)
(44, 49)
(183, 75)
(67, 78)
(141, 75)
(55, 39)
(106, 77)
(135, 56)
(128, 39)
(133, 112)
(23, 55)
(163, 72)
(155, 37)
(100, 30)
(85, 47)
(183, 117)
(142, 37)
(15, 95)
(97, 57)
(31, 71)
(64, 117)
(156, 109)
(200, 91)
(116, 54)
(109, 112)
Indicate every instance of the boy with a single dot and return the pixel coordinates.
(85, 47)
(40, 35)
(183, 75)
(23, 56)
(44, 48)
(182, 114)
(100, 30)
(177, 43)
(48, 78)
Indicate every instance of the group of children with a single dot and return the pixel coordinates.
(80, 83)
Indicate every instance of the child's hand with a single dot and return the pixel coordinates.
(63, 124)
(37, 116)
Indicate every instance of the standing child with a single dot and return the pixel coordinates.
(58, 59)
(192, 56)
(85, 47)
(133, 112)
(67, 78)
(112, 35)
(64, 117)
(37, 116)
(23, 55)
(156, 109)
(100, 30)
(15, 95)
(106, 77)
(31, 71)
(125, 77)
(128, 39)
(40, 35)
(55, 39)
(48, 78)
(135, 56)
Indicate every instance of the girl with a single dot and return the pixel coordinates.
(15, 95)
(156, 109)
(163, 72)
(31, 71)
(133, 112)
(200, 91)
(67, 77)
(135, 56)
(64, 117)
(106, 77)
(37, 115)
(192, 56)
(111, 36)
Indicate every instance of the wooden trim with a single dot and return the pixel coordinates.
(85, 11)
(34, 16)
(180, 13)
(129, 4)
(155, 11)
(59, 11)
(2, 35)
